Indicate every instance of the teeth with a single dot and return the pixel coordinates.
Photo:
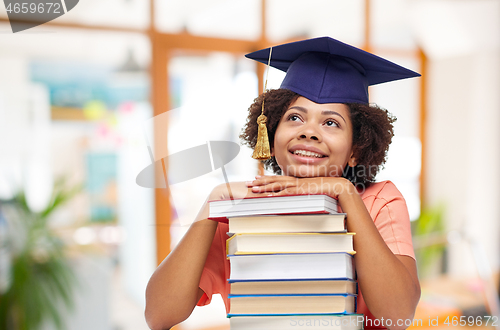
(306, 153)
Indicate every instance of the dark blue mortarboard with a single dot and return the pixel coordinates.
(325, 70)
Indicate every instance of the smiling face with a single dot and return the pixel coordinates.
(314, 139)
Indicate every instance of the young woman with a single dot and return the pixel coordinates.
(324, 138)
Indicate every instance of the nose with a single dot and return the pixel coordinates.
(312, 137)
(310, 133)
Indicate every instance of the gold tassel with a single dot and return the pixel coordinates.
(262, 151)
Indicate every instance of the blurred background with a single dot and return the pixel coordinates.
(90, 99)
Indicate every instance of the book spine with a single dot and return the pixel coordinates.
(294, 279)
(264, 266)
(292, 295)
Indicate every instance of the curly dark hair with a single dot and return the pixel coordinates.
(372, 133)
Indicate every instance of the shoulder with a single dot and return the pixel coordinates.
(389, 212)
(382, 189)
(379, 194)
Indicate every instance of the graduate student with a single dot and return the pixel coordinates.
(324, 137)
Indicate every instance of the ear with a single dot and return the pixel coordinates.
(352, 160)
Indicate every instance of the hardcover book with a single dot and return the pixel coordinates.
(291, 322)
(291, 204)
(292, 304)
(294, 223)
(292, 266)
(270, 243)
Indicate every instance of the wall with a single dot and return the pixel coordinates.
(463, 141)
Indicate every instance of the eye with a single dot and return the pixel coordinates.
(331, 123)
(293, 117)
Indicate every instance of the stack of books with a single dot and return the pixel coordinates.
(291, 263)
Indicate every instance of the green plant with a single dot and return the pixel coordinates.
(42, 279)
(429, 238)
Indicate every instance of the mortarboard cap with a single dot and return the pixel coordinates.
(325, 70)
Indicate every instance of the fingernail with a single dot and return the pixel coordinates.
(249, 183)
(255, 188)
(258, 176)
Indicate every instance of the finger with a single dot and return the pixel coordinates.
(262, 194)
(274, 177)
(261, 180)
(273, 187)
(265, 180)
(284, 192)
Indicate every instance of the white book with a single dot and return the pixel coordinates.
(291, 322)
(263, 243)
(302, 286)
(293, 223)
(260, 305)
(292, 266)
(272, 205)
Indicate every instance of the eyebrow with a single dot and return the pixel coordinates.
(324, 112)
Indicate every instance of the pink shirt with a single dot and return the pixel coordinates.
(387, 208)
